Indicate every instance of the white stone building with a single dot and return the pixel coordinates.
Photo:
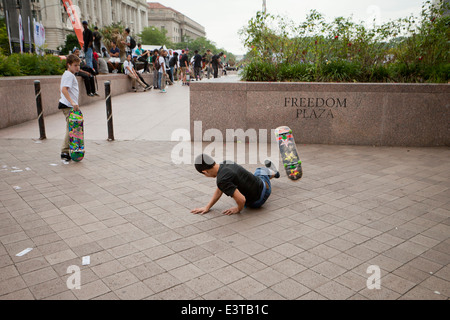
(177, 25)
(132, 14)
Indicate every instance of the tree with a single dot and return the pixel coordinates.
(71, 42)
(153, 36)
(4, 42)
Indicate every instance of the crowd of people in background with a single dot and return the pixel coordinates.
(166, 65)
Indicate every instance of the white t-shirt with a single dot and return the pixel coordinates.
(161, 62)
(70, 81)
(126, 64)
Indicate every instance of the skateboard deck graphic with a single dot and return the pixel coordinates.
(288, 152)
(76, 136)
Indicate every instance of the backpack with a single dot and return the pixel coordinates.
(157, 64)
(132, 43)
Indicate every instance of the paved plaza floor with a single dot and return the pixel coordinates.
(357, 212)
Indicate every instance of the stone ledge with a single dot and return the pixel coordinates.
(327, 113)
(19, 102)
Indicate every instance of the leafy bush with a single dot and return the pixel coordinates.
(405, 50)
(30, 64)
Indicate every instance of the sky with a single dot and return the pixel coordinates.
(223, 19)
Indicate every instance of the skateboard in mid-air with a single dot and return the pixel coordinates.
(288, 152)
(76, 136)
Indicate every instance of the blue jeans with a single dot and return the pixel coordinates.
(264, 175)
(89, 56)
(160, 75)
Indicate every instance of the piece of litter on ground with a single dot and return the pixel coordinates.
(53, 164)
(16, 170)
(38, 141)
(28, 169)
(17, 187)
(437, 292)
(86, 260)
(5, 166)
(23, 252)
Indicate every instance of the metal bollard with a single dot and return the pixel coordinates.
(40, 112)
(109, 111)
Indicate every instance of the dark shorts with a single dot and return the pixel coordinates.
(264, 175)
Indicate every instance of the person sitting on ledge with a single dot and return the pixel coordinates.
(88, 75)
(130, 72)
(248, 190)
(114, 60)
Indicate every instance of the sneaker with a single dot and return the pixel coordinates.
(90, 94)
(147, 88)
(65, 156)
(272, 167)
(134, 89)
(163, 91)
(96, 94)
(115, 71)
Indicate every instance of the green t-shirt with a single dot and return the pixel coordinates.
(139, 51)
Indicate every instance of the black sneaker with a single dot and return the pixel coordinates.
(272, 167)
(65, 156)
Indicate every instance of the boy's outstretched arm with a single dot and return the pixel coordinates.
(240, 201)
(214, 199)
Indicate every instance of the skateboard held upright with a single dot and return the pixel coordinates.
(288, 152)
(76, 136)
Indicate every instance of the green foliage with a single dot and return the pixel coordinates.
(202, 44)
(71, 42)
(30, 64)
(114, 32)
(154, 36)
(406, 50)
(4, 42)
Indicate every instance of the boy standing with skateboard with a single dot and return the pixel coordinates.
(250, 190)
(69, 98)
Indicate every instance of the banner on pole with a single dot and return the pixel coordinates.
(39, 37)
(73, 17)
(9, 33)
(21, 37)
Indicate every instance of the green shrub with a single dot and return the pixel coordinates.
(296, 72)
(340, 71)
(260, 71)
(30, 64)
(411, 49)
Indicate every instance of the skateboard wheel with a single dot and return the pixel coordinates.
(290, 131)
(299, 162)
(285, 165)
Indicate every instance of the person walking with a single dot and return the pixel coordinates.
(208, 65)
(216, 63)
(197, 65)
(172, 65)
(154, 60)
(162, 72)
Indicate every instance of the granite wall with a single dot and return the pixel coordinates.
(327, 113)
(18, 101)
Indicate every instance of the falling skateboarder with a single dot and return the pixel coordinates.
(248, 190)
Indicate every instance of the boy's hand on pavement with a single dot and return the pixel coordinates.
(231, 211)
(200, 210)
